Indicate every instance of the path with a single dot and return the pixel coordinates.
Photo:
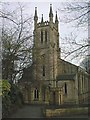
(35, 111)
(28, 111)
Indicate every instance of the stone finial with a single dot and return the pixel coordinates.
(51, 13)
(42, 18)
(56, 18)
(35, 11)
(35, 15)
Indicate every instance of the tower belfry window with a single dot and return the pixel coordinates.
(43, 70)
(46, 36)
(41, 36)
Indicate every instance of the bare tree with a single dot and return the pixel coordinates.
(17, 42)
(75, 48)
(77, 12)
(78, 15)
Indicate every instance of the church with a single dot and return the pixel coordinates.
(50, 79)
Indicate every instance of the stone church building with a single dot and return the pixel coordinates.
(50, 79)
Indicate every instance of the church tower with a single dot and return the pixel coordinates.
(46, 50)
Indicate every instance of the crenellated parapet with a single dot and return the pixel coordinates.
(46, 23)
(40, 24)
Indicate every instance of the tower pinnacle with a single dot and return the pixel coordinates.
(56, 18)
(35, 16)
(51, 13)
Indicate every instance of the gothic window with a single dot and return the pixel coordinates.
(36, 94)
(41, 36)
(65, 88)
(43, 70)
(60, 99)
(45, 36)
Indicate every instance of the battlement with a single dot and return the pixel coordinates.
(46, 23)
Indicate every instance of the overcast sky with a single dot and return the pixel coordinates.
(45, 0)
(43, 7)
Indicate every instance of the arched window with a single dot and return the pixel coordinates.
(46, 36)
(41, 36)
(36, 94)
(65, 88)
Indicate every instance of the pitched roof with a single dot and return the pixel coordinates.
(66, 77)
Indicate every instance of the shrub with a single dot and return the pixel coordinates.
(11, 98)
